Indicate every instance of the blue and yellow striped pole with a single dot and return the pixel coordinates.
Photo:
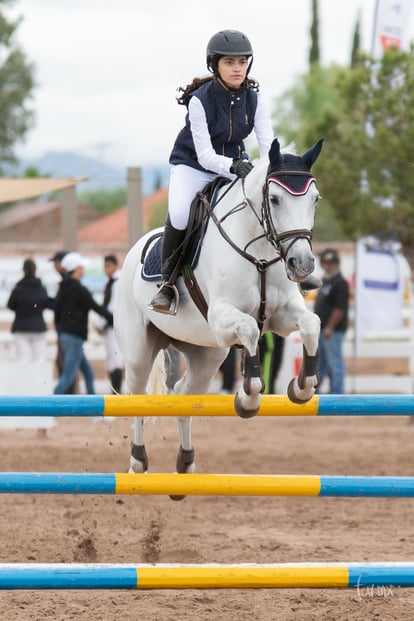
(206, 484)
(202, 405)
(244, 576)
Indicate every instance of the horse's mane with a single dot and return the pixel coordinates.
(290, 148)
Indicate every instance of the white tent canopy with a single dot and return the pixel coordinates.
(20, 189)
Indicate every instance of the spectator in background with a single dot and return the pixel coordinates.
(28, 300)
(114, 362)
(72, 305)
(271, 351)
(331, 305)
(228, 372)
(57, 262)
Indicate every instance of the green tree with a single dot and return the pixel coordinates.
(157, 215)
(16, 87)
(104, 200)
(366, 171)
(314, 55)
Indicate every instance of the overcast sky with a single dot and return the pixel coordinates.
(107, 70)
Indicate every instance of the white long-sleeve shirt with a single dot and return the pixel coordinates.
(206, 155)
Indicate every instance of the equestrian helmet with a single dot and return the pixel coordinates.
(227, 43)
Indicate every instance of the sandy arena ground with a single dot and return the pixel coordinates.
(134, 529)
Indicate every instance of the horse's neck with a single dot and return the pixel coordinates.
(239, 213)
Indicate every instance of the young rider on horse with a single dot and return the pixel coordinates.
(223, 109)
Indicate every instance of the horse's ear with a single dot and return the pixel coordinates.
(275, 157)
(312, 155)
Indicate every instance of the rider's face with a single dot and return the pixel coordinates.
(233, 70)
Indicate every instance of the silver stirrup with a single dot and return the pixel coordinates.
(172, 310)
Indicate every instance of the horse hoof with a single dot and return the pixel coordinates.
(292, 395)
(184, 464)
(172, 497)
(241, 411)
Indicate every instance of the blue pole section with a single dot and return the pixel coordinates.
(387, 575)
(368, 405)
(380, 487)
(68, 577)
(52, 405)
(57, 483)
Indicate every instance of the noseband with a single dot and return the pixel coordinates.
(296, 189)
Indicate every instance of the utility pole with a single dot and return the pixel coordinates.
(134, 205)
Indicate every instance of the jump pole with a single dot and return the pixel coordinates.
(21, 576)
(202, 405)
(206, 484)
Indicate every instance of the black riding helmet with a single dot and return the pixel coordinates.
(227, 43)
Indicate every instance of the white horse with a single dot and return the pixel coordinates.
(256, 248)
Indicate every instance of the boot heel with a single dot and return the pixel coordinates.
(166, 300)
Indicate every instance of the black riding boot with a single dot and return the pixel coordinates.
(166, 300)
(116, 381)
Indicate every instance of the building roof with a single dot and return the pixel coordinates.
(113, 228)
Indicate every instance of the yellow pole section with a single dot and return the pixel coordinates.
(201, 405)
(241, 577)
(218, 484)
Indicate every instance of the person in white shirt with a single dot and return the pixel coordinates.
(223, 109)
(113, 362)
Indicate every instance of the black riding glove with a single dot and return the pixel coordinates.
(241, 168)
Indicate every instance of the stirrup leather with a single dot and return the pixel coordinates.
(173, 308)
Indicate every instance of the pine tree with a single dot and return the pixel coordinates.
(356, 43)
(314, 32)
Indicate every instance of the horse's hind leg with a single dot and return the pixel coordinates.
(202, 364)
(136, 374)
(185, 463)
(138, 461)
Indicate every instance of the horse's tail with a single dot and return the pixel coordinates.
(157, 380)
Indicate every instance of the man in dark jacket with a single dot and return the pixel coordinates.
(72, 306)
(331, 305)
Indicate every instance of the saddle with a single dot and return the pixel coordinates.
(191, 246)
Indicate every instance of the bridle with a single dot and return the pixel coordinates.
(269, 227)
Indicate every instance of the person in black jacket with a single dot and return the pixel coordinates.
(28, 300)
(57, 259)
(72, 305)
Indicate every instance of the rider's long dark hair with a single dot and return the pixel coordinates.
(197, 82)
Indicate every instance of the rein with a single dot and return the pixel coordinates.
(261, 264)
(269, 232)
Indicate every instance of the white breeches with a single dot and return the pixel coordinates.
(114, 358)
(185, 182)
(30, 346)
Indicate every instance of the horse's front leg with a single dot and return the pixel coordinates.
(302, 387)
(233, 327)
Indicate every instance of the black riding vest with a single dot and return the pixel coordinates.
(230, 119)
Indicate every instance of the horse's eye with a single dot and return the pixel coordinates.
(274, 200)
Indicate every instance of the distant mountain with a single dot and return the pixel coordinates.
(100, 174)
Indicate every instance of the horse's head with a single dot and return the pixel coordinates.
(290, 198)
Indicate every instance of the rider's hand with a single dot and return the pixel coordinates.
(241, 168)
